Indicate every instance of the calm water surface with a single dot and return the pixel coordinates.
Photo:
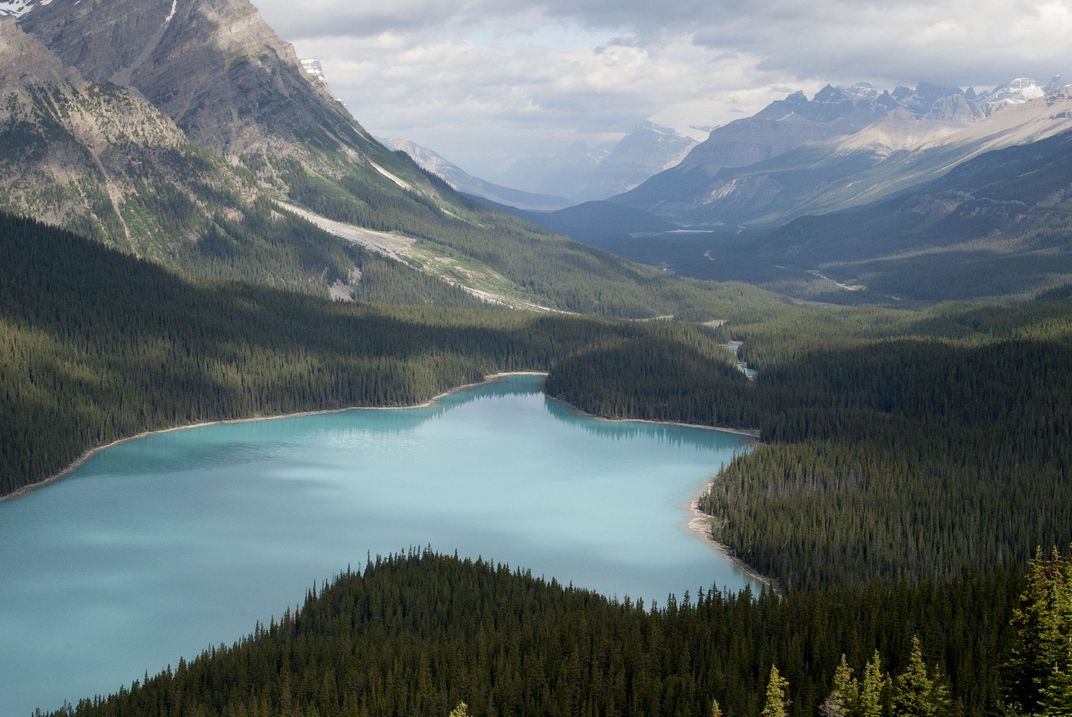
(162, 546)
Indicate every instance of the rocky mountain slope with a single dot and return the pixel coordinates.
(585, 173)
(997, 224)
(841, 149)
(220, 72)
(459, 179)
(99, 158)
(233, 161)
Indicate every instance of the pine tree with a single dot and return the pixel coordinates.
(845, 696)
(462, 710)
(777, 686)
(1057, 692)
(916, 693)
(716, 710)
(1040, 671)
(873, 689)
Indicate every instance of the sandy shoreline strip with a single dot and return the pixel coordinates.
(700, 525)
(26, 490)
(744, 432)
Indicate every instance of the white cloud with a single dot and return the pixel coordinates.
(486, 82)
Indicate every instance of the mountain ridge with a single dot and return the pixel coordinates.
(267, 135)
(910, 142)
(462, 181)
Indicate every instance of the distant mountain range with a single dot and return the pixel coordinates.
(843, 147)
(859, 195)
(999, 224)
(583, 174)
(466, 183)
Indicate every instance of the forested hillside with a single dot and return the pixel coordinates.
(417, 635)
(421, 634)
(96, 346)
(896, 445)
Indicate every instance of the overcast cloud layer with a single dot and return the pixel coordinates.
(486, 82)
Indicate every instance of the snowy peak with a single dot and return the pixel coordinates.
(1020, 90)
(18, 8)
(861, 91)
(314, 68)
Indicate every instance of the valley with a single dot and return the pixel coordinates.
(714, 394)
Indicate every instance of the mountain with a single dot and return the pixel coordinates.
(239, 164)
(921, 100)
(1016, 92)
(995, 225)
(904, 146)
(686, 191)
(466, 183)
(99, 158)
(214, 66)
(647, 150)
(593, 173)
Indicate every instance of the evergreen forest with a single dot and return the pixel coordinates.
(909, 464)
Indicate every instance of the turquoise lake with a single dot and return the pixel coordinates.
(157, 548)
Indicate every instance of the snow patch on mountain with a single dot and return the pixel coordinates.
(1017, 92)
(18, 8)
(394, 178)
(314, 68)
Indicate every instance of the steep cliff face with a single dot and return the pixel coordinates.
(226, 79)
(93, 157)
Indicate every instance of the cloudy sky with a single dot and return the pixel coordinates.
(485, 82)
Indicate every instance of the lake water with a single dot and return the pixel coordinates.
(156, 548)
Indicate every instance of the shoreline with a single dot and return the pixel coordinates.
(81, 460)
(750, 433)
(698, 523)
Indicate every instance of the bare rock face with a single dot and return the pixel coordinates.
(956, 108)
(214, 66)
(23, 58)
(88, 156)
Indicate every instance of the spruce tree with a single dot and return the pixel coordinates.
(873, 689)
(916, 693)
(1040, 670)
(776, 702)
(845, 695)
